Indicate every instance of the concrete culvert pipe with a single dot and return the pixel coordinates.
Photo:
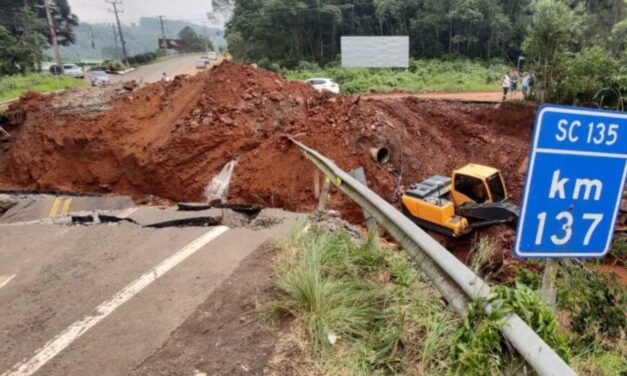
(380, 154)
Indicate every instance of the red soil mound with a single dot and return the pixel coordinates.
(168, 140)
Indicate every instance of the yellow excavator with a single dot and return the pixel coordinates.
(475, 196)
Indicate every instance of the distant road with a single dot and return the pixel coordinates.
(495, 96)
(154, 72)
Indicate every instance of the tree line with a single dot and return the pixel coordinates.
(557, 37)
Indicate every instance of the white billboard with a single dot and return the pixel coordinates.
(375, 52)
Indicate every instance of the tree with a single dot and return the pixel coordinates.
(22, 52)
(63, 19)
(552, 31)
(192, 42)
(618, 39)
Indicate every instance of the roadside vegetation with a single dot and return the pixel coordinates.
(359, 309)
(576, 50)
(16, 85)
(355, 308)
(423, 75)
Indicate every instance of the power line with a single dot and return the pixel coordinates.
(115, 10)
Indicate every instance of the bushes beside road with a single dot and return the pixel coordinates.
(422, 76)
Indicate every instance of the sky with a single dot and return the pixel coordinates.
(194, 11)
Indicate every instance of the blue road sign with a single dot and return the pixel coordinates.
(577, 170)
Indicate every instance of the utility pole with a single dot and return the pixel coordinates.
(165, 42)
(115, 42)
(53, 36)
(115, 10)
(91, 35)
(204, 33)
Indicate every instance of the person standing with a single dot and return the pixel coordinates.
(505, 84)
(514, 82)
(526, 81)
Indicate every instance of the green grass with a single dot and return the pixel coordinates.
(382, 315)
(14, 86)
(594, 305)
(359, 309)
(482, 254)
(422, 76)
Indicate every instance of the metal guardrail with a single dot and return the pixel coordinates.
(6, 103)
(456, 282)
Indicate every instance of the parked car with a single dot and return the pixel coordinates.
(322, 84)
(212, 55)
(201, 63)
(99, 78)
(71, 70)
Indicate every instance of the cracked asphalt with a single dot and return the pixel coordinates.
(100, 297)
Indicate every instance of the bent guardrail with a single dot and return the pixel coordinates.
(456, 282)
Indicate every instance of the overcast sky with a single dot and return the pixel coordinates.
(187, 10)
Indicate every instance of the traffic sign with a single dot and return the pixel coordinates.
(577, 170)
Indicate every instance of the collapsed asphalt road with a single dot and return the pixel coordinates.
(97, 291)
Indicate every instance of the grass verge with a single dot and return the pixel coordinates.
(422, 76)
(16, 85)
(355, 308)
(358, 309)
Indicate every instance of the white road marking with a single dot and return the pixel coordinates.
(74, 331)
(5, 279)
(126, 213)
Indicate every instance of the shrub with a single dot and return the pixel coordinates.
(478, 347)
(112, 65)
(596, 302)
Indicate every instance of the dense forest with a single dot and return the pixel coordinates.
(294, 30)
(574, 47)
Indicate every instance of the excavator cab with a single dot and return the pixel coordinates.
(473, 197)
(477, 184)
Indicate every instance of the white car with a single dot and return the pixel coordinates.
(213, 55)
(322, 84)
(73, 70)
(99, 78)
(201, 63)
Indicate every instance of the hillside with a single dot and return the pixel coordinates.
(139, 38)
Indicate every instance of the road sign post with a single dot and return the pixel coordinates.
(577, 170)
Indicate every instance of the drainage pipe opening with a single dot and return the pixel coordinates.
(380, 154)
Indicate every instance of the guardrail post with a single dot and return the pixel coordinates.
(360, 175)
(324, 195)
(316, 181)
(549, 290)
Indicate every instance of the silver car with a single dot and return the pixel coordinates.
(99, 78)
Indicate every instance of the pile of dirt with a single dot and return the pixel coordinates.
(165, 141)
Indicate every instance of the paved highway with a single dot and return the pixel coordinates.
(99, 298)
(154, 72)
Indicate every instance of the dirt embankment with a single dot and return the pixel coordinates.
(167, 140)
